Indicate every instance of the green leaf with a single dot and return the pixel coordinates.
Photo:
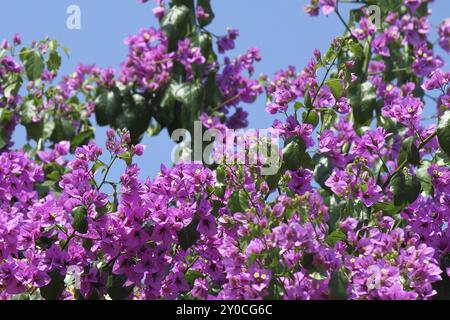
(63, 130)
(41, 130)
(334, 237)
(406, 188)
(298, 105)
(3, 137)
(53, 61)
(126, 156)
(116, 287)
(177, 24)
(306, 161)
(55, 288)
(186, 93)
(387, 208)
(322, 169)
(335, 86)
(328, 118)
(154, 129)
(136, 115)
(81, 139)
(292, 154)
(307, 98)
(34, 130)
(189, 235)
(79, 222)
(54, 175)
(221, 174)
(424, 177)
(409, 152)
(107, 106)
(206, 5)
(204, 41)
(192, 275)
(238, 201)
(46, 242)
(338, 286)
(33, 62)
(187, 3)
(362, 98)
(213, 95)
(310, 117)
(318, 275)
(273, 180)
(356, 49)
(6, 114)
(47, 128)
(307, 261)
(27, 111)
(443, 132)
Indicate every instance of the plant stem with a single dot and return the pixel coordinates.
(107, 171)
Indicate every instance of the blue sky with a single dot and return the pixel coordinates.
(280, 28)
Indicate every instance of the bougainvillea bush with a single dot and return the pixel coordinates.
(358, 209)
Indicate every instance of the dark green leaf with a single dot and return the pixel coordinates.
(409, 152)
(81, 139)
(55, 288)
(273, 180)
(334, 237)
(322, 169)
(424, 177)
(177, 24)
(362, 98)
(338, 286)
(107, 106)
(3, 137)
(387, 208)
(443, 132)
(189, 235)
(186, 93)
(292, 154)
(79, 222)
(63, 130)
(406, 188)
(116, 287)
(206, 5)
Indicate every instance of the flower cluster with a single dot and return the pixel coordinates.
(358, 209)
(149, 63)
(444, 34)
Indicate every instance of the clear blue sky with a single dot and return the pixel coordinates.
(280, 28)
